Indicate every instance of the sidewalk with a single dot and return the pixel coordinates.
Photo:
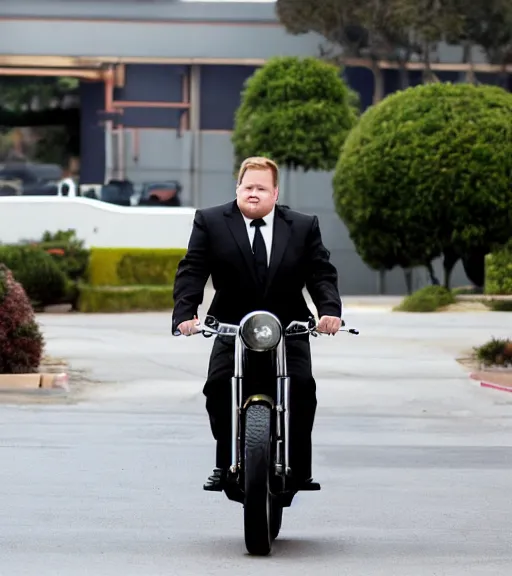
(497, 380)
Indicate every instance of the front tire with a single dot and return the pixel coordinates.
(257, 462)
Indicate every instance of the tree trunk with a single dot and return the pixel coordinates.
(378, 83)
(403, 76)
(382, 282)
(408, 280)
(449, 261)
(433, 278)
(467, 58)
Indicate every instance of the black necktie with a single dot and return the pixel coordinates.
(259, 250)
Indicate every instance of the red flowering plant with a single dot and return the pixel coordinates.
(21, 340)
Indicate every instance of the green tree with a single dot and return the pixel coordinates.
(296, 111)
(427, 172)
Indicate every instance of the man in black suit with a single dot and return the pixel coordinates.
(260, 256)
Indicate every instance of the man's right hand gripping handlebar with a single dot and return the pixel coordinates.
(190, 327)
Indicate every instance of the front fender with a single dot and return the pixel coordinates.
(259, 399)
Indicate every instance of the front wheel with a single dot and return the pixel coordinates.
(257, 462)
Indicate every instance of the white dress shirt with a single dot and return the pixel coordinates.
(266, 231)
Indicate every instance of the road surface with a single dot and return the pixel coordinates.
(415, 462)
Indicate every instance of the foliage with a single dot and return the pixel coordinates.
(498, 271)
(125, 299)
(396, 30)
(296, 111)
(134, 266)
(21, 341)
(488, 24)
(496, 352)
(361, 28)
(22, 94)
(427, 299)
(427, 171)
(68, 252)
(497, 305)
(41, 278)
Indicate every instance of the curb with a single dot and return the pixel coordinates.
(37, 381)
(491, 385)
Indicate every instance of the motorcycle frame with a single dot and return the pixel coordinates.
(281, 406)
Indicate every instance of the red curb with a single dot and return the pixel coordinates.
(490, 385)
(495, 387)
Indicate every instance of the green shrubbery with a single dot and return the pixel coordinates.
(58, 269)
(426, 173)
(130, 279)
(496, 352)
(49, 270)
(43, 280)
(297, 111)
(498, 271)
(427, 299)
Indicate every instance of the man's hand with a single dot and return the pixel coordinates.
(329, 324)
(189, 327)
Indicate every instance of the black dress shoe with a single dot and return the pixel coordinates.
(215, 482)
(308, 485)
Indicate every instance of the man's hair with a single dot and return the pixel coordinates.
(258, 163)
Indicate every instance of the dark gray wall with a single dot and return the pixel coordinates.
(166, 155)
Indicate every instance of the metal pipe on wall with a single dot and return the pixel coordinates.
(195, 129)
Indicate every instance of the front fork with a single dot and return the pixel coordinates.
(282, 410)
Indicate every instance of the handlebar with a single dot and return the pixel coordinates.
(212, 327)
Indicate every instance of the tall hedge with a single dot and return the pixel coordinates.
(427, 171)
(297, 111)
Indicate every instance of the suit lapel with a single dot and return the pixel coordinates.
(280, 239)
(238, 229)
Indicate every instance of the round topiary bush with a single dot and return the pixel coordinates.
(297, 111)
(42, 279)
(427, 171)
(21, 341)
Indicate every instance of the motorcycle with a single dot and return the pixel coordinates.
(260, 477)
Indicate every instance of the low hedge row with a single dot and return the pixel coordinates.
(125, 298)
(130, 279)
(133, 266)
(498, 271)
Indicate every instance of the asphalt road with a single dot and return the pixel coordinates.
(415, 461)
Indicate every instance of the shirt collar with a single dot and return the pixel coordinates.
(268, 219)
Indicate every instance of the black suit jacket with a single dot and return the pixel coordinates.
(219, 246)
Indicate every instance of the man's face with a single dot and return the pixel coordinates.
(256, 194)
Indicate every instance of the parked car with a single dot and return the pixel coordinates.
(117, 192)
(163, 193)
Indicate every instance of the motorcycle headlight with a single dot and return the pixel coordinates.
(260, 331)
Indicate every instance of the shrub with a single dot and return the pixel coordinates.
(427, 299)
(42, 279)
(68, 252)
(427, 172)
(125, 299)
(297, 111)
(496, 352)
(21, 341)
(134, 266)
(498, 271)
(500, 305)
